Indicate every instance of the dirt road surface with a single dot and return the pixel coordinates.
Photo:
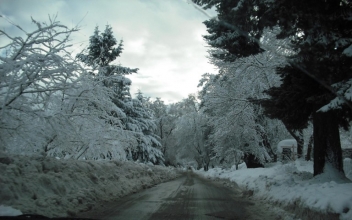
(188, 197)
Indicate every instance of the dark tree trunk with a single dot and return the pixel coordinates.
(267, 144)
(206, 167)
(199, 162)
(161, 128)
(298, 135)
(163, 149)
(327, 146)
(309, 149)
(300, 143)
(207, 160)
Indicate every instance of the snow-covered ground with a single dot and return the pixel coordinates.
(293, 185)
(58, 188)
(52, 187)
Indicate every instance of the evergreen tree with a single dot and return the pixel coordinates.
(321, 35)
(136, 120)
(100, 54)
(101, 49)
(237, 28)
(139, 121)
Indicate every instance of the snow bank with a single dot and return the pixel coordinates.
(292, 185)
(57, 188)
(9, 211)
(347, 166)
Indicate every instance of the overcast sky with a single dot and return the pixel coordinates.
(163, 38)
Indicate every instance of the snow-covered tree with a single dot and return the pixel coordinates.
(319, 64)
(35, 69)
(320, 34)
(49, 102)
(165, 122)
(186, 142)
(100, 55)
(101, 49)
(239, 126)
(191, 142)
(137, 120)
(90, 130)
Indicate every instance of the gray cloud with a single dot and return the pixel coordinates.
(161, 37)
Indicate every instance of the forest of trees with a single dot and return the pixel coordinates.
(72, 107)
(310, 54)
(280, 75)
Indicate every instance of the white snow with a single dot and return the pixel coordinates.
(59, 188)
(9, 211)
(347, 166)
(293, 185)
(288, 143)
(348, 51)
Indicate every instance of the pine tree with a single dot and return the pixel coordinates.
(101, 49)
(237, 29)
(137, 121)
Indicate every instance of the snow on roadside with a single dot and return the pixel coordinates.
(9, 211)
(292, 185)
(347, 166)
(59, 188)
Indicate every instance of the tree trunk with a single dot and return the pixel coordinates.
(199, 162)
(327, 146)
(309, 149)
(298, 135)
(206, 167)
(266, 144)
(300, 143)
(161, 128)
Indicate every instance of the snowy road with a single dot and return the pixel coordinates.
(188, 197)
